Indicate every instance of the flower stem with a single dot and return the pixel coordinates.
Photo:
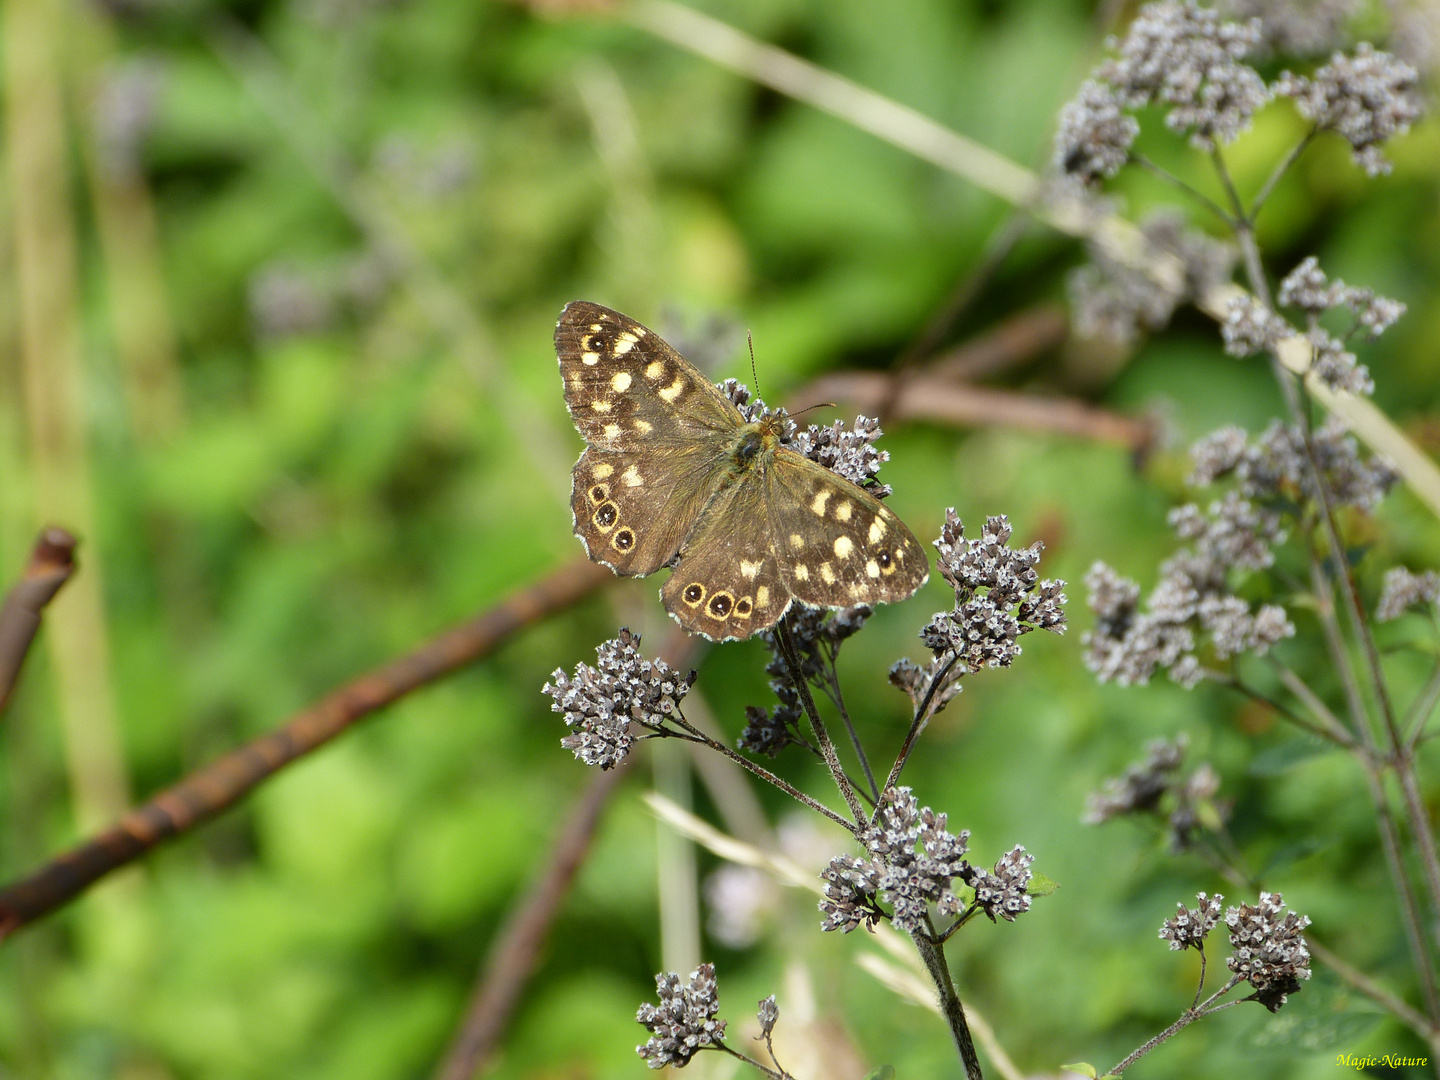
(822, 737)
(932, 954)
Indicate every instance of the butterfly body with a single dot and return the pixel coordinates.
(673, 475)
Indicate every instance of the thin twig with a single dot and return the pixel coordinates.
(51, 565)
(218, 786)
(917, 724)
(1235, 683)
(822, 736)
(1407, 1015)
(932, 955)
(1280, 170)
(1195, 193)
(515, 950)
(1421, 709)
(1188, 1017)
(1015, 340)
(1301, 689)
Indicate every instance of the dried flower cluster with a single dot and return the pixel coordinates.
(599, 703)
(1188, 927)
(1270, 952)
(847, 453)
(1156, 786)
(1367, 99)
(1312, 292)
(1002, 891)
(998, 596)
(1403, 590)
(1095, 134)
(1296, 27)
(684, 1022)
(907, 879)
(1115, 301)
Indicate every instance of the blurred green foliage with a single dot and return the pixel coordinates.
(365, 247)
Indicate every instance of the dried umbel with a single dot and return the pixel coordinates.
(684, 1021)
(1188, 928)
(1270, 952)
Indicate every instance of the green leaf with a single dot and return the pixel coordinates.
(1084, 1068)
(884, 1072)
(1040, 885)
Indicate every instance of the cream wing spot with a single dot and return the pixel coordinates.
(797, 541)
(603, 471)
(844, 510)
(612, 431)
(749, 569)
(643, 427)
(802, 572)
(762, 596)
(600, 406)
(590, 359)
(632, 477)
(843, 546)
(872, 569)
(877, 530)
(827, 573)
(625, 343)
(621, 382)
(671, 392)
(819, 504)
(655, 370)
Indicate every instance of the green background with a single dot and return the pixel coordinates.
(329, 496)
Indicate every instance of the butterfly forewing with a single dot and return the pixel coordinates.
(838, 545)
(627, 389)
(727, 583)
(633, 508)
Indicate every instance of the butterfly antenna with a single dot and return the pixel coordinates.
(817, 405)
(750, 340)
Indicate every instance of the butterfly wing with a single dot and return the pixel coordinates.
(837, 545)
(633, 509)
(628, 390)
(727, 583)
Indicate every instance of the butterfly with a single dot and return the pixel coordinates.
(673, 475)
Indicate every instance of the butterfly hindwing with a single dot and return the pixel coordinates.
(627, 389)
(633, 509)
(727, 582)
(838, 545)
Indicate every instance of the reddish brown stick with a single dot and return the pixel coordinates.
(925, 397)
(208, 791)
(51, 565)
(515, 951)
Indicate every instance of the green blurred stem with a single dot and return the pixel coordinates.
(932, 954)
(1421, 709)
(1194, 192)
(1279, 171)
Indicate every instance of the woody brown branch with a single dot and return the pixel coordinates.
(212, 789)
(51, 565)
(515, 952)
(925, 396)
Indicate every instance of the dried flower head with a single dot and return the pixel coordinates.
(850, 887)
(909, 880)
(917, 681)
(1116, 300)
(1188, 927)
(1270, 952)
(684, 1022)
(1367, 99)
(1094, 137)
(767, 1013)
(1306, 287)
(1250, 327)
(1141, 786)
(1275, 463)
(1002, 891)
(599, 703)
(1296, 27)
(1189, 58)
(998, 596)
(1403, 590)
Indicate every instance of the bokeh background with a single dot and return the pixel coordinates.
(276, 298)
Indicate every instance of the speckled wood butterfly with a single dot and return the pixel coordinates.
(674, 476)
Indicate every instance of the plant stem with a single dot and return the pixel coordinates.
(1420, 711)
(1195, 193)
(698, 736)
(822, 737)
(922, 716)
(932, 954)
(833, 679)
(1188, 1017)
(1279, 171)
